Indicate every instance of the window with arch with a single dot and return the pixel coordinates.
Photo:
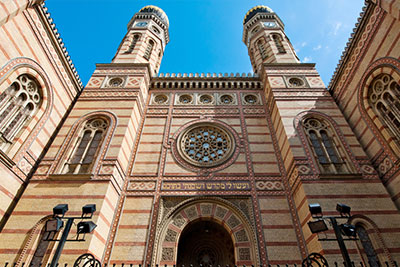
(18, 104)
(384, 96)
(43, 249)
(326, 146)
(278, 43)
(135, 39)
(149, 50)
(368, 248)
(261, 49)
(86, 148)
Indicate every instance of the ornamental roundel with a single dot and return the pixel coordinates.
(205, 144)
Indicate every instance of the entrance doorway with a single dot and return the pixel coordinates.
(206, 243)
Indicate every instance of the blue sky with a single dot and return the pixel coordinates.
(205, 35)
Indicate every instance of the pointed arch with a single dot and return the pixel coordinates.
(218, 211)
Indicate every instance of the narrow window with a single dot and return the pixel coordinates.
(367, 246)
(326, 149)
(89, 142)
(135, 39)
(278, 43)
(261, 49)
(42, 248)
(149, 50)
(383, 96)
(18, 103)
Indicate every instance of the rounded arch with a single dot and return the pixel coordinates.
(9, 73)
(218, 210)
(73, 133)
(384, 136)
(297, 123)
(31, 241)
(375, 236)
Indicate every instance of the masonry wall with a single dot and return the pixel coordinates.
(375, 51)
(28, 46)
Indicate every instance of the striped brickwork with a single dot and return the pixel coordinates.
(374, 50)
(360, 188)
(27, 47)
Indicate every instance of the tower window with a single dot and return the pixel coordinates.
(278, 43)
(149, 50)
(383, 96)
(135, 39)
(18, 103)
(86, 148)
(261, 49)
(326, 149)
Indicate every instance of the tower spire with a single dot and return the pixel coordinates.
(146, 38)
(265, 38)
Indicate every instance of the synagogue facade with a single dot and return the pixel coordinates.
(198, 168)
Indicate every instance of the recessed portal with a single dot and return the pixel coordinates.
(206, 243)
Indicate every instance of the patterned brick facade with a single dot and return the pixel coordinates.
(149, 195)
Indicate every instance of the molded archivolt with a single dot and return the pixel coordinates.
(352, 165)
(8, 74)
(375, 236)
(384, 136)
(73, 135)
(212, 209)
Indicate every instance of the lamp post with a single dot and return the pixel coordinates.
(57, 223)
(320, 226)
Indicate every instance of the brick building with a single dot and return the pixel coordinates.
(203, 168)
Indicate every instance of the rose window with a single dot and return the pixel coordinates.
(205, 145)
(226, 99)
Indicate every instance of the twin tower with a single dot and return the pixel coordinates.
(148, 35)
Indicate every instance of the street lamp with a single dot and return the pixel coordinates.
(55, 224)
(346, 229)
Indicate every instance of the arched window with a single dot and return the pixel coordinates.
(326, 147)
(278, 43)
(367, 246)
(149, 50)
(261, 49)
(42, 250)
(86, 147)
(383, 96)
(18, 103)
(135, 39)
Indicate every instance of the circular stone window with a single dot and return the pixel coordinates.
(251, 99)
(205, 145)
(206, 99)
(296, 82)
(160, 99)
(226, 99)
(185, 99)
(115, 82)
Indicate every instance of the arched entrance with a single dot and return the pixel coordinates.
(183, 223)
(207, 243)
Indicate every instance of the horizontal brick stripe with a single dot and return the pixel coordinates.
(6, 192)
(136, 211)
(282, 243)
(277, 226)
(274, 211)
(130, 244)
(284, 262)
(348, 196)
(63, 196)
(133, 227)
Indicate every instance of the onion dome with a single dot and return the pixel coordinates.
(255, 10)
(157, 11)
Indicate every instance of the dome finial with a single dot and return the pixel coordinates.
(255, 10)
(156, 10)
